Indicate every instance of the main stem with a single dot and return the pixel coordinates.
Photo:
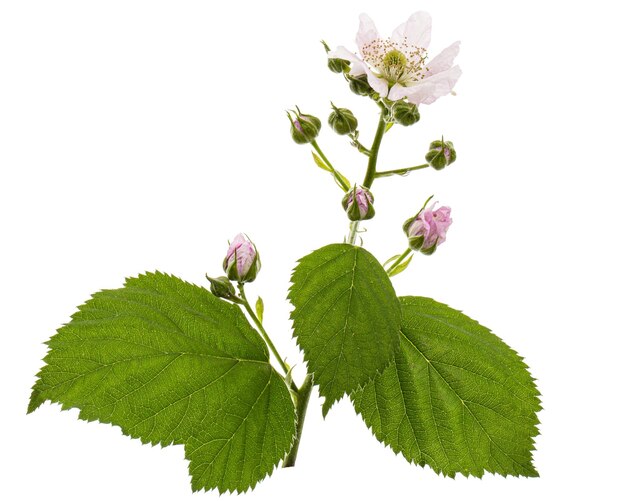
(370, 175)
(302, 401)
(302, 394)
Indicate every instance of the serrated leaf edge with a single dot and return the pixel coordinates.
(440, 471)
(359, 386)
(32, 406)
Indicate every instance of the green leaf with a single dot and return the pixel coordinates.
(346, 318)
(320, 163)
(342, 181)
(456, 397)
(391, 259)
(401, 267)
(169, 363)
(260, 308)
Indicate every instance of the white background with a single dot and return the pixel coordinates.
(143, 135)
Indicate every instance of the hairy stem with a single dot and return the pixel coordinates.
(263, 332)
(370, 175)
(357, 144)
(400, 172)
(354, 227)
(302, 401)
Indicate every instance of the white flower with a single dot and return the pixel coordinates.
(397, 67)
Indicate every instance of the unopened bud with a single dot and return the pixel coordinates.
(427, 229)
(359, 204)
(222, 287)
(405, 113)
(242, 262)
(336, 64)
(359, 85)
(304, 128)
(441, 154)
(342, 121)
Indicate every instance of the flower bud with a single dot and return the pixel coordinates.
(336, 64)
(342, 121)
(405, 113)
(221, 287)
(359, 204)
(441, 154)
(359, 85)
(242, 262)
(304, 128)
(427, 229)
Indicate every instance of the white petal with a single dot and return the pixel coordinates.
(397, 92)
(444, 60)
(430, 89)
(358, 66)
(367, 32)
(380, 85)
(416, 31)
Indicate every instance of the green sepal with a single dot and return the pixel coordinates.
(222, 287)
(430, 250)
(416, 243)
(359, 85)
(405, 114)
(342, 121)
(441, 154)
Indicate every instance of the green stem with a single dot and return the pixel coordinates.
(400, 172)
(397, 262)
(334, 171)
(370, 175)
(262, 330)
(354, 227)
(302, 401)
(359, 146)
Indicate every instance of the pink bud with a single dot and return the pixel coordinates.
(432, 225)
(359, 204)
(241, 262)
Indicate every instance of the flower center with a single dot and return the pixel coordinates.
(396, 62)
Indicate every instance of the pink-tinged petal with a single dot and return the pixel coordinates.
(397, 92)
(380, 85)
(430, 89)
(367, 32)
(416, 31)
(444, 60)
(357, 67)
(246, 255)
(235, 244)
